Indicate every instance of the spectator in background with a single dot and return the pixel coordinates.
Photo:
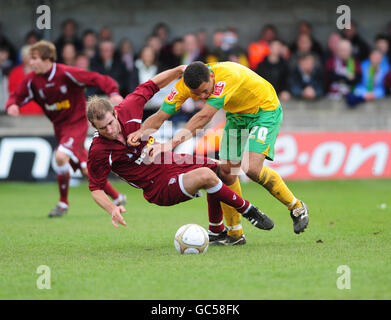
(304, 47)
(275, 70)
(305, 27)
(82, 61)
(372, 85)
(126, 56)
(257, 51)
(306, 79)
(155, 43)
(17, 75)
(146, 68)
(230, 45)
(68, 34)
(387, 82)
(68, 54)
(202, 41)
(332, 44)
(5, 60)
(172, 58)
(5, 68)
(105, 34)
(285, 51)
(107, 64)
(5, 42)
(162, 31)
(32, 37)
(90, 41)
(191, 49)
(360, 47)
(342, 71)
(159, 40)
(146, 65)
(217, 53)
(382, 44)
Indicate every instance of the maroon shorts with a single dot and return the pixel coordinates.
(71, 140)
(168, 188)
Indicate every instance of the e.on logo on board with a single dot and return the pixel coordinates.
(309, 155)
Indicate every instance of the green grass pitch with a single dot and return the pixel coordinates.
(90, 259)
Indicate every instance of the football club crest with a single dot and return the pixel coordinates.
(63, 89)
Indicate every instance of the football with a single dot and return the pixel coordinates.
(191, 239)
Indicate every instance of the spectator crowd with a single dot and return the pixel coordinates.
(346, 67)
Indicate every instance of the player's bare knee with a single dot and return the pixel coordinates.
(208, 177)
(226, 176)
(84, 171)
(253, 172)
(61, 158)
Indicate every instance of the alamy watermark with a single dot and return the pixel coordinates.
(44, 20)
(44, 280)
(345, 19)
(343, 281)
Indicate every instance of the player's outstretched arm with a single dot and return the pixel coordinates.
(102, 200)
(198, 121)
(164, 78)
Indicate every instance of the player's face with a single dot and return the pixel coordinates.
(205, 89)
(38, 65)
(109, 126)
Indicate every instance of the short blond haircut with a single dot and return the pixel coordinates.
(45, 49)
(97, 108)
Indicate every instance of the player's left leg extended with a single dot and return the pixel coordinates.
(260, 145)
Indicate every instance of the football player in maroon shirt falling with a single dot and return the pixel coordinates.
(59, 90)
(172, 179)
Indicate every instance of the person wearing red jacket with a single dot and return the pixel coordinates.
(59, 90)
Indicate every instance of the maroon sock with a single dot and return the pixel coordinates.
(63, 185)
(216, 224)
(224, 194)
(109, 189)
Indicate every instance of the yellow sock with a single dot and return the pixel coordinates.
(273, 183)
(231, 216)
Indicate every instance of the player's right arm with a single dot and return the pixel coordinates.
(98, 165)
(19, 97)
(103, 201)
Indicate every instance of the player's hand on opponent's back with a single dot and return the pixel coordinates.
(116, 216)
(116, 99)
(13, 110)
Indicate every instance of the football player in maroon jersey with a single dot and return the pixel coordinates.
(59, 90)
(172, 179)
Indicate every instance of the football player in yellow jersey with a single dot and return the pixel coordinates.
(254, 117)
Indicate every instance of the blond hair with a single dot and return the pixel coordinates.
(45, 50)
(97, 108)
